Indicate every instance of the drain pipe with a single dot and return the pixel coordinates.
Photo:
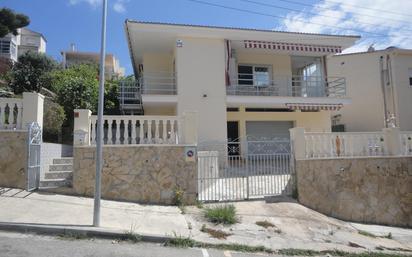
(385, 107)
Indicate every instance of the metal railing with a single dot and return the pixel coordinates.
(296, 86)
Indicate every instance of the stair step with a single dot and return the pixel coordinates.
(54, 183)
(61, 167)
(58, 174)
(64, 160)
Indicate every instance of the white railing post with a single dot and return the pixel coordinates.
(81, 127)
(32, 108)
(189, 126)
(392, 141)
(298, 142)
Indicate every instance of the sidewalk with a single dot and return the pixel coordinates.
(297, 226)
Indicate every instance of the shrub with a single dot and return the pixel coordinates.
(221, 214)
(53, 119)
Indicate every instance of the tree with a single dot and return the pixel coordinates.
(11, 21)
(31, 72)
(53, 119)
(77, 88)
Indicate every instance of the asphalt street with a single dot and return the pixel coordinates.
(30, 245)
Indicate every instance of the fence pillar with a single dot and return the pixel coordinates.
(32, 108)
(189, 128)
(298, 142)
(392, 141)
(81, 129)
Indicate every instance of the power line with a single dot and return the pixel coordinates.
(281, 17)
(299, 11)
(371, 9)
(323, 8)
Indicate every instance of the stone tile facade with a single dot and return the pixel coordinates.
(13, 158)
(369, 190)
(142, 173)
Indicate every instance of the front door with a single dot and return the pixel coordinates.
(233, 143)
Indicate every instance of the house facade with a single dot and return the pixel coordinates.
(112, 65)
(244, 84)
(380, 86)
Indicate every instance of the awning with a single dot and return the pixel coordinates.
(292, 47)
(314, 107)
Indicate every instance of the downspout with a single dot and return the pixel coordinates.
(385, 108)
(390, 82)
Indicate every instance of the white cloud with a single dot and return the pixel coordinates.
(118, 6)
(346, 17)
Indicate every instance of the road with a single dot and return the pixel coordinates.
(29, 245)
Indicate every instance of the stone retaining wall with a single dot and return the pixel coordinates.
(142, 173)
(13, 159)
(369, 190)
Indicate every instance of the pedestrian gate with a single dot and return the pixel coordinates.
(33, 156)
(263, 168)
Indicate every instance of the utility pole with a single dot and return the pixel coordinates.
(99, 138)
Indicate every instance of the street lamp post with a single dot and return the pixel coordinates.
(99, 138)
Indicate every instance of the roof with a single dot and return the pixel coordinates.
(237, 28)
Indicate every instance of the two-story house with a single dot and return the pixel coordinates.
(245, 84)
(379, 82)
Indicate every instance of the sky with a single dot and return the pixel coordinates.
(382, 23)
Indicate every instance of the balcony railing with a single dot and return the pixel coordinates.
(295, 86)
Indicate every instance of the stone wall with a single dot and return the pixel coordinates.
(142, 173)
(369, 190)
(13, 158)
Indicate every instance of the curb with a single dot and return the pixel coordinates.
(85, 231)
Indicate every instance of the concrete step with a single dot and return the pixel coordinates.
(54, 183)
(63, 160)
(60, 167)
(58, 174)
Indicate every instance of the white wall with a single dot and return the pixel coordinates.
(201, 85)
(363, 86)
(400, 65)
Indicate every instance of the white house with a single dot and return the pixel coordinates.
(380, 86)
(243, 83)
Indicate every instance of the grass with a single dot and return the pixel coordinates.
(181, 242)
(366, 233)
(219, 234)
(221, 214)
(72, 236)
(131, 236)
(265, 224)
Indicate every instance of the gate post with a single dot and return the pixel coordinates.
(298, 143)
(81, 128)
(32, 109)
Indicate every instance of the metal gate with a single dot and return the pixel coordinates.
(238, 171)
(33, 156)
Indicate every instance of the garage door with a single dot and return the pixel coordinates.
(268, 137)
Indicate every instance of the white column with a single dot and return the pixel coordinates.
(189, 128)
(82, 125)
(32, 109)
(298, 142)
(392, 141)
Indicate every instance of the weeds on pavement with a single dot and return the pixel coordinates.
(225, 214)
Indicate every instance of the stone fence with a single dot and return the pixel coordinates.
(368, 190)
(138, 173)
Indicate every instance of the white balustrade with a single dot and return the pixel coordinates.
(406, 142)
(347, 144)
(133, 129)
(11, 113)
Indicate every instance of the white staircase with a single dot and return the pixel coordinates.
(60, 174)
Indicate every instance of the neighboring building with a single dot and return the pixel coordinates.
(31, 41)
(8, 47)
(245, 84)
(112, 68)
(11, 46)
(376, 81)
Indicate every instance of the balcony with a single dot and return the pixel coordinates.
(287, 86)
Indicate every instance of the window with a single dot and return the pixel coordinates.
(4, 46)
(256, 75)
(410, 76)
